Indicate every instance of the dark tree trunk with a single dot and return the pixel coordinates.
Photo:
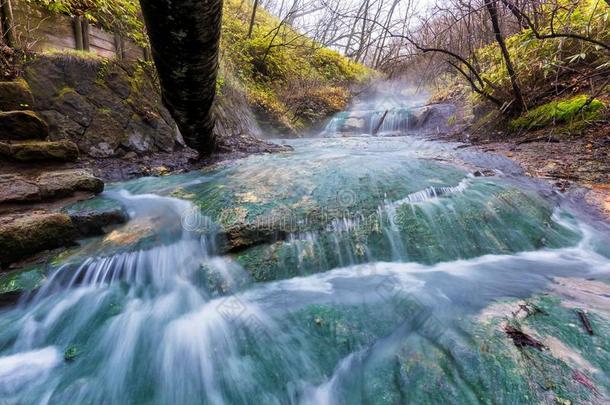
(184, 37)
(519, 104)
(252, 18)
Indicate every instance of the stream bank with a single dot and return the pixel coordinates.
(569, 162)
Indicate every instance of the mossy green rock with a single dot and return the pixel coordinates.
(564, 111)
(105, 107)
(15, 95)
(22, 125)
(15, 283)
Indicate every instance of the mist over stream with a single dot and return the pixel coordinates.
(355, 269)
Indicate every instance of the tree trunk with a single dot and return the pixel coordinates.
(252, 18)
(184, 37)
(519, 104)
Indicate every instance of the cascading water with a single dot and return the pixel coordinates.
(349, 271)
(383, 113)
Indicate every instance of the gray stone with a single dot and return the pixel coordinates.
(75, 107)
(66, 182)
(103, 137)
(15, 188)
(62, 127)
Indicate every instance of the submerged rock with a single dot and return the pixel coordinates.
(22, 125)
(15, 283)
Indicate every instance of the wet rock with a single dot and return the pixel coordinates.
(15, 283)
(92, 223)
(15, 96)
(22, 125)
(160, 171)
(24, 235)
(15, 188)
(29, 151)
(66, 182)
(71, 354)
(484, 173)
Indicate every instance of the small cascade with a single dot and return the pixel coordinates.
(371, 123)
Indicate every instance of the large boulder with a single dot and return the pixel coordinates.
(15, 188)
(15, 96)
(66, 182)
(107, 108)
(30, 151)
(22, 125)
(24, 235)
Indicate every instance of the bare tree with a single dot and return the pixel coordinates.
(252, 18)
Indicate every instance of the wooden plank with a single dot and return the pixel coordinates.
(78, 32)
(8, 22)
(85, 34)
(132, 51)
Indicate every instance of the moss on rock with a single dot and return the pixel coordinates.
(15, 95)
(30, 151)
(563, 111)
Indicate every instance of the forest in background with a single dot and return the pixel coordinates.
(528, 64)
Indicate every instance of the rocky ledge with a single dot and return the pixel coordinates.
(31, 220)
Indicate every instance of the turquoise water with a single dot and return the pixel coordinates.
(347, 271)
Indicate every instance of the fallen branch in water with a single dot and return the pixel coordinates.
(585, 321)
(521, 339)
(380, 122)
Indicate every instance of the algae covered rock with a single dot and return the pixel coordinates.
(30, 151)
(15, 283)
(22, 125)
(15, 95)
(25, 235)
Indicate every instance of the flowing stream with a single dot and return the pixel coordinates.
(351, 270)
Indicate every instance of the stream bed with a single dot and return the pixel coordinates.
(351, 270)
